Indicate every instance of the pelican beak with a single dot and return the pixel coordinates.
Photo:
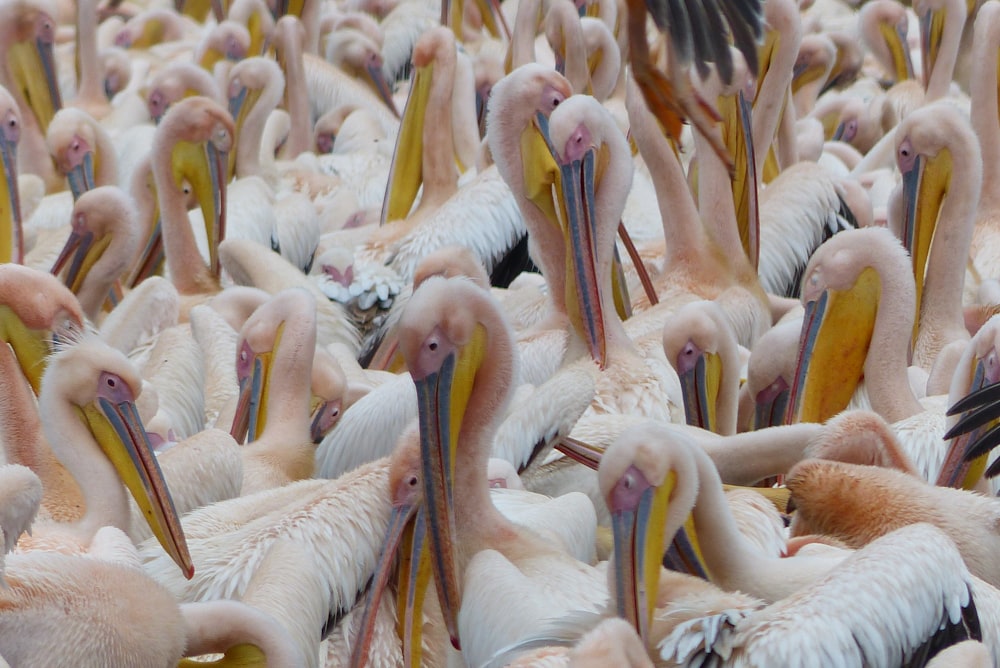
(32, 65)
(81, 176)
(489, 11)
(925, 183)
(11, 235)
(638, 522)
(398, 538)
(196, 9)
(700, 376)
(377, 80)
(803, 74)
(619, 285)
(963, 467)
(413, 576)
(931, 31)
(204, 165)
(152, 258)
(580, 452)
(115, 424)
(258, 39)
(583, 294)
(406, 173)
(738, 137)
(254, 371)
(833, 346)
(895, 38)
(771, 404)
(242, 100)
(85, 249)
(325, 415)
(442, 397)
(31, 347)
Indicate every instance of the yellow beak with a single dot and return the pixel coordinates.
(895, 38)
(406, 174)
(700, 375)
(117, 428)
(926, 181)
(254, 373)
(833, 348)
(32, 65)
(205, 167)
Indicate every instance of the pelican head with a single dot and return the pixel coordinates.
(699, 344)
(444, 334)
(884, 26)
(360, 55)
(329, 390)
(75, 143)
(198, 134)
(101, 386)
(936, 18)
(255, 88)
(259, 355)
(592, 193)
(100, 246)
(174, 82)
(841, 290)
(227, 41)
(925, 141)
(645, 487)
(434, 63)
(33, 306)
(28, 34)
(11, 235)
(406, 535)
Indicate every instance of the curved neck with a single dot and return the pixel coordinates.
(463, 113)
(522, 43)
(89, 87)
(940, 78)
(103, 491)
(885, 367)
(189, 274)
(984, 111)
(217, 626)
(248, 145)
(296, 101)
(772, 93)
(440, 174)
(682, 227)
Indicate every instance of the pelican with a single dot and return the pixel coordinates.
(82, 150)
(461, 362)
(274, 368)
(647, 478)
(938, 156)
(191, 142)
(88, 397)
(100, 249)
(862, 280)
(28, 72)
(175, 81)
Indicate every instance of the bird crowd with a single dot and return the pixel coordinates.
(477, 333)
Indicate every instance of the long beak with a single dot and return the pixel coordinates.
(684, 554)
(251, 407)
(583, 290)
(580, 452)
(81, 177)
(771, 404)
(32, 65)
(152, 258)
(700, 383)
(400, 522)
(895, 38)
(737, 135)
(11, 234)
(406, 173)
(414, 576)
(931, 30)
(966, 459)
(924, 188)
(85, 250)
(119, 431)
(325, 415)
(377, 80)
(240, 106)
(638, 522)
(205, 168)
(30, 346)
(442, 397)
(833, 347)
